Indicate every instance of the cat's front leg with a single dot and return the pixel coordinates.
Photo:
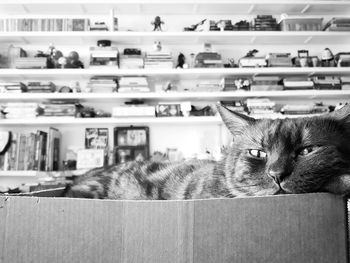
(338, 185)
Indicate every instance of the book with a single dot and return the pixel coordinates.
(42, 150)
(53, 149)
(21, 152)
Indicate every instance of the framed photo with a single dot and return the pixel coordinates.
(96, 138)
(168, 110)
(131, 143)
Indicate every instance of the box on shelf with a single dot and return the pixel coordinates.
(133, 84)
(133, 111)
(262, 83)
(338, 24)
(104, 56)
(287, 228)
(301, 24)
(30, 62)
(327, 82)
(296, 83)
(279, 60)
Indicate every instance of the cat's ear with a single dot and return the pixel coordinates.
(234, 121)
(342, 114)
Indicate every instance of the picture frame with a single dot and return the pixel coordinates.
(131, 143)
(168, 110)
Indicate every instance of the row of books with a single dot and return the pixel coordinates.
(44, 24)
(31, 87)
(158, 60)
(263, 83)
(34, 151)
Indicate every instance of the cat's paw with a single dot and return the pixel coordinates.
(339, 185)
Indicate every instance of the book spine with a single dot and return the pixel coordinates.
(32, 149)
(36, 151)
(21, 152)
(43, 153)
(13, 152)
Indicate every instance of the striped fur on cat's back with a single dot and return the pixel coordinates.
(267, 157)
(152, 180)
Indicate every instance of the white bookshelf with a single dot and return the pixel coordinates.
(182, 38)
(71, 121)
(179, 96)
(187, 132)
(192, 73)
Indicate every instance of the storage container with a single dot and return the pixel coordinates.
(301, 24)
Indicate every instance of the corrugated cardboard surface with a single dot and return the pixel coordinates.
(291, 228)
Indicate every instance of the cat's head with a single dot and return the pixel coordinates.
(299, 155)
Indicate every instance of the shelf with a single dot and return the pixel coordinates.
(41, 174)
(193, 73)
(131, 120)
(174, 38)
(120, 121)
(189, 7)
(174, 96)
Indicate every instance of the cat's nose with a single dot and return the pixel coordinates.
(276, 175)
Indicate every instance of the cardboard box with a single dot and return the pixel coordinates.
(289, 228)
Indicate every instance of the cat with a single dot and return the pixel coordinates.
(267, 157)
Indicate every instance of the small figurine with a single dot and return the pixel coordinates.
(157, 46)
(221, 24)
(192, 59)
(73, 60)
(181, 61)
(327, 58)
(251, 53)
(157, 24)
(195, 26)
(62, 61)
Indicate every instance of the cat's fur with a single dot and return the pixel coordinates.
(302, 155)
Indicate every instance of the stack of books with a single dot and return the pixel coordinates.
(265, 23)
(41, 87)
(338, 24)
(304, 109)
(262, 83)
(260, 106)
(34, 151)
(297, 83)
(103, 84)
(131, 61)
(104, 56)
(20, 110)
(207, 85)
(12, 87)
(57, 108)
(327, 82)
(30, 62)
(159, 60)
(44, 24)
(133, 84)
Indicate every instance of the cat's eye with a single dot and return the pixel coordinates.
(257, 153)
(307, 150)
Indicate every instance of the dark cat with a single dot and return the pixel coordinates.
(267, 157)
